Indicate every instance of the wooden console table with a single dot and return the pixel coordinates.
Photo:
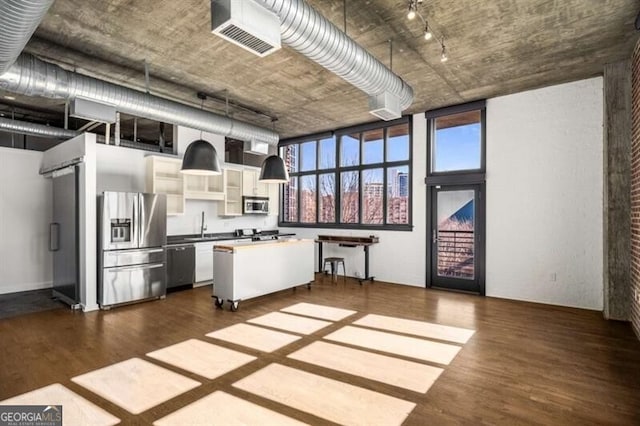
(344, 241)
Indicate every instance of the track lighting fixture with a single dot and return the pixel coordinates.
(412, 11)
(429, 34)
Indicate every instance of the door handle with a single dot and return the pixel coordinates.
(144, 251)
(434, 237)
(54, 237)
(136, 268)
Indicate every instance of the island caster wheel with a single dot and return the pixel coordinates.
(219, 302)
(234, 306)
(309, 286)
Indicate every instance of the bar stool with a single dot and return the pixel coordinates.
(334, 262)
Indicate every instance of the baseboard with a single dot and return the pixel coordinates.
(26, 287)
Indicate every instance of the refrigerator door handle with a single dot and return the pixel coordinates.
(135, 268)
(140, 221)
(147, 251)
(135, 233)
(54, 236)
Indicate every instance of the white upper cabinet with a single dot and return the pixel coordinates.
(251, 187)
(232, 205)
(164, 177)
(204, 187)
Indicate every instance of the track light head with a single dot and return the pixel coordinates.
(444, 57)
(427, 32)
(412, 10)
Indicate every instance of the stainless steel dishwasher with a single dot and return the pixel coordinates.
(181, 265)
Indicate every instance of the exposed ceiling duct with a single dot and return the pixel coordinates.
(33, 77)
(18, 20)
(33, 129)
(311, 34)
(27, 75)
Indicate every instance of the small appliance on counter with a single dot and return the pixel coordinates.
(255, 205)
(245, 232)
(132, 240)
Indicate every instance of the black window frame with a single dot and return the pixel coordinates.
(338, 170)
(457, 176)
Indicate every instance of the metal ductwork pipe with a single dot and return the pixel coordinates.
(18, 20)
(33, 77)
(312, 35)
(25, 128)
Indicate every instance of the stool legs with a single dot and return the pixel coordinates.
(335, 264)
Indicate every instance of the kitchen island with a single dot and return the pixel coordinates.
(243, 271)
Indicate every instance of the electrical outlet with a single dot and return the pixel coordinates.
(553, 277)
(356, 274)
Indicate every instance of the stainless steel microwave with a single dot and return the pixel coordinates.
(255, 205)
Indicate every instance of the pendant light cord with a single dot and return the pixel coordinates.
(201, 109)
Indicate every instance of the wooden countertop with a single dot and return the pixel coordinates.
(259, 244)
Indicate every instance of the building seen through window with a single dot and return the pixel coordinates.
(357, 177)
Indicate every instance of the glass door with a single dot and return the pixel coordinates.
(456, 225)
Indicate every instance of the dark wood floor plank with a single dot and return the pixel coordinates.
(526, 364)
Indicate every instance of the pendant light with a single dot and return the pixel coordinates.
(201, 158)
(274, 170)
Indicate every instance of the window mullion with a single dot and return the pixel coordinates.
(358, 171)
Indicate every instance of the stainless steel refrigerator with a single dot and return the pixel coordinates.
(132, 258)
(64, 235)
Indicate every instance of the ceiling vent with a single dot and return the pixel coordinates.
(246, 24)
(386, 106)
(256, 147)
(92, 111)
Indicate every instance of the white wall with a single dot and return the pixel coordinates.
(544, 195)
(25, 214)
(88, 225)
(123, 169)
(119, 169)
(544, 201)
(400, 256)
(185, 135)
(189, 223)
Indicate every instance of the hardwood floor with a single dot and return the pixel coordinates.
(526, 364)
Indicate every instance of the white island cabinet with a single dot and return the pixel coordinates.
(204, 263)
(242, 271)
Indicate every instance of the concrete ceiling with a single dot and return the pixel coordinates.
(495, 48)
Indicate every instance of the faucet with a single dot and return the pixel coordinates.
(203, 227)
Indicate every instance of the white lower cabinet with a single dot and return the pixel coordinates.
(248, 270)
(204, 262)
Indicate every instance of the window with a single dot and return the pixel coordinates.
(456, 142)
(358, 177)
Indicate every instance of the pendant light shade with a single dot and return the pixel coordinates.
(274, 170)
(201, 158)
